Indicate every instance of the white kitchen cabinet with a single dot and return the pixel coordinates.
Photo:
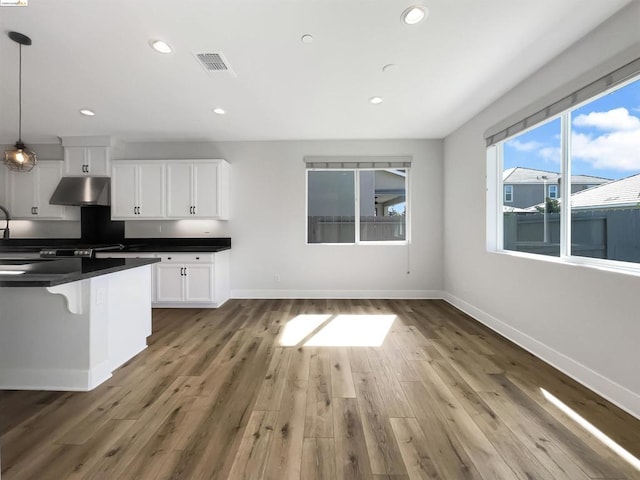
(87, 161)
(28, 193)
(137, 190)
(183, 280)
(192, 280)
(184, 283)
(197, 189)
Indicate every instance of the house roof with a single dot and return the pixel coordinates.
(532, 175)
(618, 193)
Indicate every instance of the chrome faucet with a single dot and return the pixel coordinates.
(5, 234)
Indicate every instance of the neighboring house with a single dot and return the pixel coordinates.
(615, 194)
(524, 187)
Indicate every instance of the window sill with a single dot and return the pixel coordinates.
(390, 244)
(610, 266)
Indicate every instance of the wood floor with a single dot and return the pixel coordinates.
(215, 396)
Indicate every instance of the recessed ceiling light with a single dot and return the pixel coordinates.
(375, 100)
(414, 14)
(307, 38)
(87, 112)
(219, 111)
(392, 67)
(160, 46)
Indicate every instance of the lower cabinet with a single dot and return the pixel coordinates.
(184, 280)
(189, 282)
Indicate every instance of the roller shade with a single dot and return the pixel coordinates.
(597, 87)
(403, 161)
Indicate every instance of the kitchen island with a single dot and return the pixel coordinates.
(67, 324)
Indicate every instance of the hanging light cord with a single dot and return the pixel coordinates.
(20, 98)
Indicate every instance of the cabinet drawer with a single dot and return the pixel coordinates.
(204, 257)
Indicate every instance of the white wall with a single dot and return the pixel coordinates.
(268, 224)
(581, 319)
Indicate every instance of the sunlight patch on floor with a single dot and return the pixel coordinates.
(353, 331)
(300, 327)
(602, 437)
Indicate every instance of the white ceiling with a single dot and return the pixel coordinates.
(95, 54)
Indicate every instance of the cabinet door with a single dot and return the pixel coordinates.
(205, 189)
(151, 190)
(199, 283)
(123, 191)
(169, 283)
(179, 200)
(97, 161)
(75, 161)
(48, 177)
(22, 193)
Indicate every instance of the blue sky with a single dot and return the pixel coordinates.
(605, 139)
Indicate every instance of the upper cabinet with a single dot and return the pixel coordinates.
(169, 189)
(137, 190)
(87, 156)
(198, 189)
(28, 193)
(89, 161)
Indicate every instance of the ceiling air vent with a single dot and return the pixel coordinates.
(214, 63)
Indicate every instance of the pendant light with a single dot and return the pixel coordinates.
(20, 158)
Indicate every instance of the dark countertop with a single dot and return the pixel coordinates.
(32, 245)
(50, 272)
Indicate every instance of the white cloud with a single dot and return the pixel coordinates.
(615, 150)
(550, 153)
(612, 120)
(525, 146)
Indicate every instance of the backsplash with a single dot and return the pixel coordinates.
(44, 229)
(176, 229)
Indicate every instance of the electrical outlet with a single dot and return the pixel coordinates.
(276, 278)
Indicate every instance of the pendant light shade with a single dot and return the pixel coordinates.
(20, 158)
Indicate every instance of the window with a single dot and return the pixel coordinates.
(377, 213)
(508, 193)
(531, 161)
(592, 152)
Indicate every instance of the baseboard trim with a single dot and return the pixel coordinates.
(338, 294)
(617, 394)
(74, 380)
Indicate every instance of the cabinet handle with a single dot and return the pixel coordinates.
(138, 210)
(36, 210)
(185, 271)
(194, 209)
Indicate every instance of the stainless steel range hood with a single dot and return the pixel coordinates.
(82, 191)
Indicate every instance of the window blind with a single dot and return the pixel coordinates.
(597, 87)
(402, 161)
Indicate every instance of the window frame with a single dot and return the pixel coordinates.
(495, 184)
(356, 186)
(555, 191)
(510, 193)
